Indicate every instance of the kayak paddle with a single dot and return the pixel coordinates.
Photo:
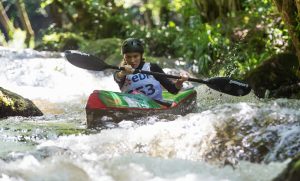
(222, 84)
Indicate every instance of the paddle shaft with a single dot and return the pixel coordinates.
(159, 74)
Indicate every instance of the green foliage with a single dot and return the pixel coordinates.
(199, 44)
(103, 48)
(184, 8)
(230, 45)
(258, 8)
(258, 35)
(158, 41)
(60, 41)
(95, 18)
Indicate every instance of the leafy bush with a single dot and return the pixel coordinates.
(60, 41)
(158, 41)
(103, 48)
(229, 46)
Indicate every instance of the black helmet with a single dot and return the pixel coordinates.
(132, 45)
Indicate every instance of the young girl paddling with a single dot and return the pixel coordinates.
(132, 50)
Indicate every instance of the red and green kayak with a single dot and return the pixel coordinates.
(103, 106)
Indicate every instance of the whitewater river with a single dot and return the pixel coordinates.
(226, 138)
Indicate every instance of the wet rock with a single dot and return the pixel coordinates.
(267, 133)
(288, 91)
(292, 172)
(276, 77)
(12, 104)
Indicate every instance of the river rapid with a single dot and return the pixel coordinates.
(225, 138)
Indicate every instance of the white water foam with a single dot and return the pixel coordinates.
(52, 79)
(160, 151)
(163, 151)
(133, 168)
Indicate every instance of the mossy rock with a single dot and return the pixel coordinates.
(292, 172)
(12, 104)
(279, 70)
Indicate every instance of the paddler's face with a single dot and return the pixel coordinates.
(133, 59)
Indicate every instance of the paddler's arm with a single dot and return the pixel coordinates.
(119, 76)
(179, 82)
(118, 79)
(173, 88)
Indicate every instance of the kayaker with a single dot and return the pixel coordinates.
(132, 51)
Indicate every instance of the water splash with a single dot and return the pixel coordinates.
(52, 79)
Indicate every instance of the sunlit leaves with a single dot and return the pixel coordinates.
(246, 19)
(51, 37)
(172, 24)
(46, 3)
(176, 5)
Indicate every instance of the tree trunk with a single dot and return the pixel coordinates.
(4, 20)
(148, 16)
(212, 9)
(164, 15)
(290, 12)
(62, 7)
(207, 9)
(25, 23)
(56, 15)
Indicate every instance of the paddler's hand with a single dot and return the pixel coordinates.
(179, 82)
(128, 70)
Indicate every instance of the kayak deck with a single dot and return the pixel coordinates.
(107, 106)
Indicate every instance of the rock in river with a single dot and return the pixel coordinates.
(12, 104)
(292, 172)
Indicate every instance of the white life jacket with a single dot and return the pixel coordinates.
(143, 83)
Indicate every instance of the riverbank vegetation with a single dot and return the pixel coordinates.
(227, 38)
